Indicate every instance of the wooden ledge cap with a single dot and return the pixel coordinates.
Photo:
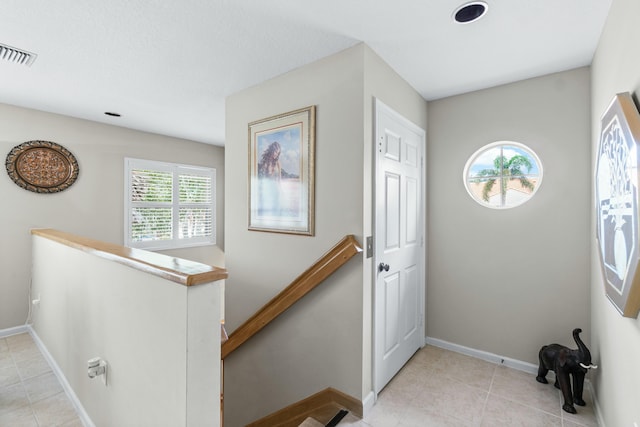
(178, 270)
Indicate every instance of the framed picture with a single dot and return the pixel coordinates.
(616, 195)
(281, 173)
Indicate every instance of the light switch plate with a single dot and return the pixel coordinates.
(369, 246)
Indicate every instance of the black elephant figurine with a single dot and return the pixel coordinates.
(564, 361)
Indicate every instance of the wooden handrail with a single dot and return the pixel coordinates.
(337, 256)
(182, 271)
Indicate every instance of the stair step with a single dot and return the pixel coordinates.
(310, 422)
(337, 418)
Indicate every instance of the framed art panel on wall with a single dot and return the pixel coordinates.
(616, 195)
(281, 173)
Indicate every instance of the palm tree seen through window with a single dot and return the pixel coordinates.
(503, 175)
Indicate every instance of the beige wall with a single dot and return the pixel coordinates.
(317, 343)
(325, 340)
(616, 340)
(509, 281)
(93, 206)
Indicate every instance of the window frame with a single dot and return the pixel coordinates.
(176, 170)
(472, 160)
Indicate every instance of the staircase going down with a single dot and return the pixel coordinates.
(312, 422)
(329, 406)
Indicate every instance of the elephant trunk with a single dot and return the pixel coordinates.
(585, 354)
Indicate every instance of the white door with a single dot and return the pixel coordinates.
(399, 243)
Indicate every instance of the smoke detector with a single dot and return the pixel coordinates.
(17, 56)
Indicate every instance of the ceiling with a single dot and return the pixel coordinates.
(166, 65)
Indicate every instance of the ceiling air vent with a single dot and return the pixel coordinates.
(16, 56)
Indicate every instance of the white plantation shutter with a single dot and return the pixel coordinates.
(195, 206)
(168, 205)
(151, 205)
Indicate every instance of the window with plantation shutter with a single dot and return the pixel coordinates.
(168, 205)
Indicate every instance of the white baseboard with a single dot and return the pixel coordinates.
(13, 331)
(368, 402)
(82, 414)
(484, 355)
(596, 405)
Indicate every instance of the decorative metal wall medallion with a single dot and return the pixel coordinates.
(42, 166)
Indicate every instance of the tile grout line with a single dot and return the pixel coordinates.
(486, 400)
(21, 382)
(558, 414)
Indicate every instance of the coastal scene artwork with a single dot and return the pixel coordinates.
(281, 173)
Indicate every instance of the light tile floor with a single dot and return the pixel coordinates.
(30, 394)
(436, 388)
(441, 388)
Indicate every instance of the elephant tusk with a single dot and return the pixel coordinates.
(589, 366)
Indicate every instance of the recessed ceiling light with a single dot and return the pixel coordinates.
(470, 12)
(109, 113)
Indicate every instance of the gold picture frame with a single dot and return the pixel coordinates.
(616, 196)
(281, 173)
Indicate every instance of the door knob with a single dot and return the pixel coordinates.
(383, 266)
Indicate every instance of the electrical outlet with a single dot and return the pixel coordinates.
(97, 367)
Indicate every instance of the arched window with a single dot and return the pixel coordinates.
(503, 175)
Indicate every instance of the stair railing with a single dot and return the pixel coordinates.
(335, 258)
(331, 261)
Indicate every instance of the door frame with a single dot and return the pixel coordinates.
(379, 106)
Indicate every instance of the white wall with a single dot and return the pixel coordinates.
(616, 340)
(510, 281)
(325, 340)
(93, 206)
(160, 338)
